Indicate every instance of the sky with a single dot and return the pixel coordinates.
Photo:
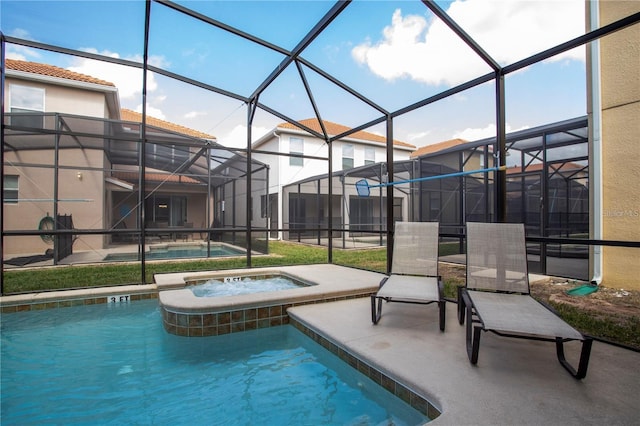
(394, 53)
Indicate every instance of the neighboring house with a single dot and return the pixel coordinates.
(34, 93)
(359, 149)
(70, 150)
(474, 157)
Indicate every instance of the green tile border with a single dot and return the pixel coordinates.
(388, 383)
(68, 302)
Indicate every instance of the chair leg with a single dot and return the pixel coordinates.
(442, 307)
(472, 338)
(461, 305)
(583, 364)
(376, 309)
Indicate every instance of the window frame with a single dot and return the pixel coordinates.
(16, 107)
(369, 151)
(347, 162)
(8, 190)
(296, 161)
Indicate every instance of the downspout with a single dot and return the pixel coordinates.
(279, 191)
(595, 154)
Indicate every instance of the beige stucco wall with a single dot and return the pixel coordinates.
(36, 184)
(64, 99)
(620, 86)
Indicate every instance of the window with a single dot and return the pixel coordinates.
(25, 99)
(263, 206)
(166, 210)
(347, 156)
(296, 146)
(10, 184)
(369, 155)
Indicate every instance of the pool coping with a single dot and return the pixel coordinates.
(186, 314)
(373, 372)
(327, 282)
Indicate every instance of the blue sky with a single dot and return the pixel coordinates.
(393, 52)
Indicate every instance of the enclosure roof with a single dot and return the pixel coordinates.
(334, 129)
(53, 71)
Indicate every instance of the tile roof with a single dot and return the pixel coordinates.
(336, 129)
(440, 146)
(132, 177)
(129, 115)
(53, 71)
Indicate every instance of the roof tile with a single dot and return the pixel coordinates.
(132, 177)
(129, 115)
(52, 71)
(430, 149)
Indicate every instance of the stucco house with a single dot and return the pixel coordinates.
(71, 152)
(307, 155)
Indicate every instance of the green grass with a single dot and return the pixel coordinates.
(614, 329)
(282, 253)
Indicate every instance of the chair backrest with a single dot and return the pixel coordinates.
(415, 248)
(497, 257)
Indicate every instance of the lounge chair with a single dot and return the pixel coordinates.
(414, 270)
(497, 298)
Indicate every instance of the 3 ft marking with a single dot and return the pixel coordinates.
(123, 298)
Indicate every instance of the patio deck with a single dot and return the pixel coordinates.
(516, 382)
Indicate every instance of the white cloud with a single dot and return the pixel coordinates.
(474, 134)
(506, 30)
(152, 111)
(22, 53)
(237, 137)
(128, 80)
(194, 114)
(415, 137)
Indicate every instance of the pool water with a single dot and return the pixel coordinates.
(179, 252)
(114, 364)
(246, 285)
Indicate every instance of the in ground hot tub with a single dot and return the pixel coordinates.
(239, 285)
(185, 313)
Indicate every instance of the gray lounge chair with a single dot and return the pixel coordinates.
(497, 297)
(414, 270)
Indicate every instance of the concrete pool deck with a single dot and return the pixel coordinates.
(516, 382)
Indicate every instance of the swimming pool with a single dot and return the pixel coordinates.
(176, 252)
(114, 364)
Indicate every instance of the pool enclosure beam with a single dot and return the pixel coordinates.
(497, 76)
(2, 74)
(303, 44)
(390, 188)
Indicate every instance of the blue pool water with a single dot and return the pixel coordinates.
(115, 365)
(179, 252)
